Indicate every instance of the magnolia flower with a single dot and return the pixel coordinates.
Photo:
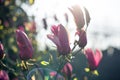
(3, 75)
(60, 38)
(67, 69)
(82, 38)
(78, 16)
(93, 58)
(55, 75)
(24, 44)
(1, 51)
(81, 16)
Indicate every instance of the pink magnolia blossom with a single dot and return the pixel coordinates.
(3, 75)
(1, 50)
(78, 16)
(82, 38)
(21, 28)
(60, 38)
(15, 78)
(93, 58)
(53, 73)
(24, 44)
(81, 16)
(56, 75)
(67, 69)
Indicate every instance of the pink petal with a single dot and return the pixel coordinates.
(98, 56)
(54, 39)
(21, 28)
(93, 58)
(78, 16)
(82, 38)
(60, 38)
(25, 53)
(67, 69)
(90, 56)
(1, 50)
(26, 49)
(54, 29)
(1, 46)
(63, 38)
(4, 75)
(53, 73)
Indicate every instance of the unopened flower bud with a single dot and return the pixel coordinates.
(24, 44)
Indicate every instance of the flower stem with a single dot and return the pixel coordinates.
(77, 52)
(36, 65)
(75, 44)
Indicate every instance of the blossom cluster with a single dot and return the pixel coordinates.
(60, 38)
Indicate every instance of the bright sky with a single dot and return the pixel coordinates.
(103, 30)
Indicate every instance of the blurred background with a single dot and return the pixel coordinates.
(104, 26)
(37, 16)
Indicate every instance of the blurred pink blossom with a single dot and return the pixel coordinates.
(60, 38)
(53, 73)
(93, 58)
(78, 16)
(21, 28)
(24, 44)
(4, 75)
(67, 69)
